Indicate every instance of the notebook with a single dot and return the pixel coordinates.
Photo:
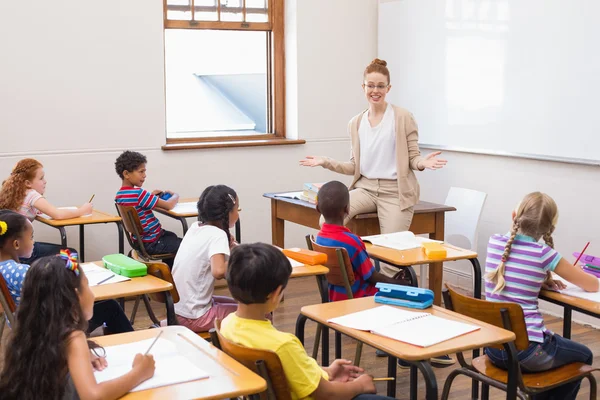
(171, 366)
(398, 240)
(97, 274)
(189, 207)
(290, 195)
(416, 328)
(576, 291)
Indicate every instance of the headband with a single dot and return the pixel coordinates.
(71, 260)
(3, 227)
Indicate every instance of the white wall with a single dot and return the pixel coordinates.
(82, 81)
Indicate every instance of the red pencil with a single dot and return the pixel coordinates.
(581, 254)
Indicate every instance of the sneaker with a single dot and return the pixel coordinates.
(401, 363)
(442, 361)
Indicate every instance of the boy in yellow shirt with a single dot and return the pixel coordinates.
(257, 275)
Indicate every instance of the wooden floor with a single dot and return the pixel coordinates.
(303, 291)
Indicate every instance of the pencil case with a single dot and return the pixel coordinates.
(120, 264)
(405, 296)
(434, 250)
(306, 256)
(592, 271)
(588, 259)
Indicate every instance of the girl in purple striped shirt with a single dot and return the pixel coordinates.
(517, 268)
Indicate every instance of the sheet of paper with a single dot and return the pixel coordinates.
(427, 331)
(376, 318)
(290, 195)
(96, 274)
(63, 208)
(295, 263)
(398, 240)
(189, 207)
(171, 366)
(576, 291)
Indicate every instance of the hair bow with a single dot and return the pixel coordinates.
(71, 261)
(3, 227)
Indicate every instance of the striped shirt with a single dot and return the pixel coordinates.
(144, 202)
(525, 272)
(340, 236)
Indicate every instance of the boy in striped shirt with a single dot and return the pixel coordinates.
(131, 168)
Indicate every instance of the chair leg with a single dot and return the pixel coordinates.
(448, 384)
(485, 391)
(592, 386)
(135, 308)
(149, 310)
(315, 352)
(338, 345)
(358, 354)
(422, 275)
(2, 324)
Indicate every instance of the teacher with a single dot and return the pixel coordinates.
(385, 152)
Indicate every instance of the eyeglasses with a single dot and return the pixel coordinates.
(370, 86)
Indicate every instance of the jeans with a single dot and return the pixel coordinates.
(371, 397)
(167, 242)
(554, 352)
(41, 249)
(109, 312)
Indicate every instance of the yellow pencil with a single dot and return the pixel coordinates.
(384, 379)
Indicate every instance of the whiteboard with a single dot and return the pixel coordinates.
(511, 77)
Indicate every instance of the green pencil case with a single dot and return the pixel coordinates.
(122, 265)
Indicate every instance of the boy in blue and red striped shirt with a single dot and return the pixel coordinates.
(131, 168)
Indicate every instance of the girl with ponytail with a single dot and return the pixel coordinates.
(517, 267)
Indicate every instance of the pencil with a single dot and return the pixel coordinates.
(390, 378)
(92, 198)
(104, 280)
(581, 254)
(155, 339)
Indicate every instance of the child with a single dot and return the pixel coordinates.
(257, 275)
(48, 354)
(131, 168)
(517, 267)
(202, 258)
(23, 191)
(16, 241)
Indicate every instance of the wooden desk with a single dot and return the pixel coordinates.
(417, 356)
(227, 379)
(411, 257)
(182, 218)
(97, 217)
(570, 303)
(428, 218)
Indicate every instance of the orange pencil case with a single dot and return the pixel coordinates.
(434, 250)
(306, 256)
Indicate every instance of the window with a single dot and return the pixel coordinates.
(224, 71)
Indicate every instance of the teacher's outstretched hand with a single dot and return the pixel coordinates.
(432, 162)
(312, 161)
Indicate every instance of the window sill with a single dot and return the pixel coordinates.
(230, 143)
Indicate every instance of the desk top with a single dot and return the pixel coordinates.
(488, 334)
(584, 304)
(175, 214)
(133, 287)
(227, 379)
(416, 256)
(421, 208)
(309, 270)
(97, 217)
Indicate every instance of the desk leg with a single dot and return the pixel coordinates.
(323, 288)
(392, 372)
(277, 226)
(300, 323)
(476, 278)
(414, 382)
(431, 392)
(121, 243)
(184, 224)
(63, 236)
(567, 321)
(82, 243)
(325, 346)
(436, 270)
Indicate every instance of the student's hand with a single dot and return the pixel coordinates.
(86, 209)
(551, 284)
(343, 371)
(312, 161)
(366, 384)
(432, 162)
(98, 363)
(232, 243)
(145, 365)
(157, 192)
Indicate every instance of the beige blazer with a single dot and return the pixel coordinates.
(408, 156)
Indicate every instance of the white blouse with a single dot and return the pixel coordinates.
(378, 146)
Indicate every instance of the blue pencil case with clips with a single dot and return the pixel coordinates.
(405, 296)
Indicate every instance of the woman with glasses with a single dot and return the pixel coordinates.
(385, 153)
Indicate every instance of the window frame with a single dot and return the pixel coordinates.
(275, 76)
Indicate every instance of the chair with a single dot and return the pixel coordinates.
(516, 383)
(340, 274)
(461, 226)
(265, 363)
(7, 306)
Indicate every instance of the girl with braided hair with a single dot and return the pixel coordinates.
(517, 268)
(202, 258)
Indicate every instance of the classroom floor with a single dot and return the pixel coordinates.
(303, 291)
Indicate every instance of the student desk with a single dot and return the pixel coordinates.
(428, 218)
(406, 258)
(417, 356)
(97, 217)
(182, 218)
(228, 378)
(570, 303)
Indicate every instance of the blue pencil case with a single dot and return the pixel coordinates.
(405, 296)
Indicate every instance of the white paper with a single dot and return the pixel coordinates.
(189, 207)
(376, 318)
(398, 240)
(63, 208)
(425, 331)
(576, 291)
(290, 195)
(295, 263)
(97, 274)
(171, 366)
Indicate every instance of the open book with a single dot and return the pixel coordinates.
(398, 240)
(171, 366)
(290, 195)
(98, 275)
(416, 328)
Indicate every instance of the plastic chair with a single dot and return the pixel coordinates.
(461, 226)
(265, 363)
(516, 383)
